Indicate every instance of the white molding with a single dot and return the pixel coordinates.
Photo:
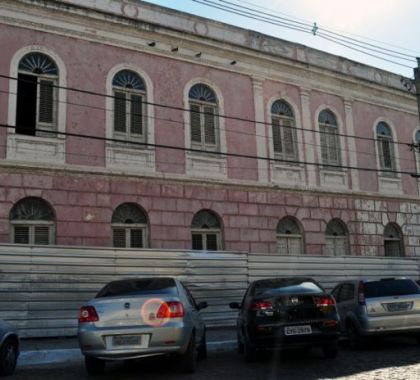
(390, 185)
(352, 149)
(202, 165)
(334, 178)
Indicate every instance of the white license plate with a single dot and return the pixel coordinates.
(297, 330)
(128, 340)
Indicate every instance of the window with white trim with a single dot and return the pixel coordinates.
(284, 131)
(385, 145)
(204, 122)
(129, 93)
(36, 107)
(336, 239)
(329, 138)
(32, 222)
(393, 241)
(289, 237)
(206, 231)
(129, 227)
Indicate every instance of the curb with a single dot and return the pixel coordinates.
(70, 355)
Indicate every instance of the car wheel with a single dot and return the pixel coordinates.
(330, 350)
(354, 338)
(94, 366)
(189, 358)
(240, 345)
(250, 352)
(8, 357)
(202, 351)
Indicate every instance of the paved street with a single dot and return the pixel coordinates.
(396, 359)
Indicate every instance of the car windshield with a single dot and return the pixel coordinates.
(387, 288)
(286, 286)
(144, 286)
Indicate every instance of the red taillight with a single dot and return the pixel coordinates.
(361, 292)
(260, 306)
(88, 314)
(325, 301)
(171, 309)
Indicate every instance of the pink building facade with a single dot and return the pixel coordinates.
(130, 125)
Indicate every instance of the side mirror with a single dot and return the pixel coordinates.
(202, 305)
(234, 305)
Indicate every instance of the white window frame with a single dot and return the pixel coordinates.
(127, 228)
(283, 155)
(32, 224)
(204, 145)
(204, 232)
(330, 130)
(288, 238)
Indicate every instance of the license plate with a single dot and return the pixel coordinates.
(297, 330)
(399, 306)
(127, 340)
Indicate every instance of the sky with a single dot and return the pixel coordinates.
(389, 24)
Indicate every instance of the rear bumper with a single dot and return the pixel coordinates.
(392, 325)
(96, 342)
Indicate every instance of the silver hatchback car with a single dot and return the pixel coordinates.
(370, 308)
(141, 317)
(9, 348)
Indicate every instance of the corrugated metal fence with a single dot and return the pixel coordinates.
(42, 288)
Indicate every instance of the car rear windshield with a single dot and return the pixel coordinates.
(387, 288)
(145, 286)
(286, 286)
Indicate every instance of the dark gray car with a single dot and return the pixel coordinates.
(369, 308)
(140, 317)
(9, 348)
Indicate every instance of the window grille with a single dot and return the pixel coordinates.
(289, 237)
(206, 232)
(330, 141)
(203, 118)
(393, 244)
(284, 132)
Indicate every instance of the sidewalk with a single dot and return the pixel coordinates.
(60, 350)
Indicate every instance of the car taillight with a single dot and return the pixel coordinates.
(88, 314)
(260, 306)
(325, 301)
(361, 292)
(171, 309)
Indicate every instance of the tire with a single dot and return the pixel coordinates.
(94, 366)
(8, 356)
(354, 338)
(240, 345)
(189, 358)
(202, 351)
(330, 350)
(250, 352)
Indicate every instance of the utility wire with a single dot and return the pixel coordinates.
(210, 153)
(228, 117)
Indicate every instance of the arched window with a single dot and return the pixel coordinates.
(393, 242)
(284, 132)
(32, 222)
(129, 227)
(330, 141)
(129, 106)
(336, 239)
(385, 149)
(206, 231)
(36, 107)
(289, 237)
(203, 118)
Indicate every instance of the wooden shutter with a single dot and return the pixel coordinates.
(288, 138)
(295, 245)
(209, 126)
(324, 144)
(120, 116)
(333, 149)
(197, 242)
(136, 115)
(42, 235)
(195, 122)
(21, 235)
(387, 156)
(277, 145)
(46, 102)
(119, 237)
(136, 238)
(282, 247)
(212, 242)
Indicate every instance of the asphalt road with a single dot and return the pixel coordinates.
(393, 359)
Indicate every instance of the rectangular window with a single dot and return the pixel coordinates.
(197, 242)
(330, 145)
(119, 112)
(284, 138)
(203, 124)
(32, 234)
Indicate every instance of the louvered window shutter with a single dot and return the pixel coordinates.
(332, 147)
(42, 235)
(386, 151)
(120, 116)
(195, 121)
(288, 134)
(136, 115)
(212, 242)
(119, 237)
(136, 238)
(46, 101)
(21, 235)
(276, 135)
(197, 242)
(324, 145)
(209, 126)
